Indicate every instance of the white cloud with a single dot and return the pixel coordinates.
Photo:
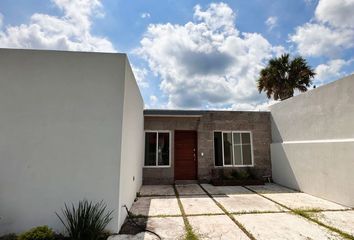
(206, 63)
(255, 107)
(153, 100)
(140, 76)
(330, 32)
(338, 13)
(145, 15)
(314, 39)
(72, 31)
(331, 70)
(271, 22)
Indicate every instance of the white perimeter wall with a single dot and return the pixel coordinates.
(61, 117)
(313, 142)
(132, 144)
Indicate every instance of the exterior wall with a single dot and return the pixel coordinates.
(60, 134)
(165, 175)
(313, 142)
(256, 122)
(132, 144)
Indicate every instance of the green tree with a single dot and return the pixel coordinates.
(283, 75)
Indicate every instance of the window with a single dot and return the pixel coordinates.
(157, 149)
(233, 148)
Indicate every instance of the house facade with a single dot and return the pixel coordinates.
(200, 145)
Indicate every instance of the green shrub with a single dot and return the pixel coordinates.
(244, 174)
(38, 233)
(234, 174)
(10, 236)
(87, 221)
(241, 174)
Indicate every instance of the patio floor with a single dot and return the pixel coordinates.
(232, 212)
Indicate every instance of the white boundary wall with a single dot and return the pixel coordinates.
(313, 142)
(132, 154)
(61, 133)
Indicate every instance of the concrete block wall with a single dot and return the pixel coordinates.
(256, 122)
(313, 142)
(165, 175)
(205, 125)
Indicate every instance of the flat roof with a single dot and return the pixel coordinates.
(187, 113)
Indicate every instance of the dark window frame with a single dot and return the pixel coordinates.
(157, 144)
(241, 144)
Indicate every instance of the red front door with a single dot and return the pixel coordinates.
(185, 155)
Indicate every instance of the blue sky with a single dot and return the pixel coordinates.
(192, 54)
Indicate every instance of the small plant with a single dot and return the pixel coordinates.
(10, 236)
(240, 174)
(87, 221)
(244, 174)
(38, 233)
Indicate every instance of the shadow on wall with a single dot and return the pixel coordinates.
(276, 136)
(282, 171)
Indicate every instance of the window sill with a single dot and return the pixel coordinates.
(156, 166)
(234, 166)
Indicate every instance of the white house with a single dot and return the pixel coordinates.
(72, 127)
(70, 123)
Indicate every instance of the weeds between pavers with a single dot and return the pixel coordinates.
(190, 235)
(230, 215)
(307, 213)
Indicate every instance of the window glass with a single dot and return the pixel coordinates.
(237, 155)
(237, 139)
(227, 148)
(150, 148)
(218, 148)
(246, 155)
(163, 151)
(246, 138)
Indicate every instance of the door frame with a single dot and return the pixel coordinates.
(196, 153)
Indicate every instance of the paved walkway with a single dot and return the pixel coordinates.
(232, 212)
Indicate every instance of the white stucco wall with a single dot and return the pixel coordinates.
(313, 142)
(61, 117)
(132, 144)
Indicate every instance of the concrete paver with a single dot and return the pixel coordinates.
(168, 228)
(235, 199)
(298, 200)
(225, 190)
(343, 220)
(216, 227)
(295, 200)
(189, 189)
(154, 206)
(199, 205)
(247, 203)
(139, 236)
(157, 190)
(270, 188)
(282, 226)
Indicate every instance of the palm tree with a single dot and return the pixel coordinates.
(283, 75)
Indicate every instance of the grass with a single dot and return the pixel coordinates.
(255, 212)
(308, 214)
(190, 235)
(230, 215)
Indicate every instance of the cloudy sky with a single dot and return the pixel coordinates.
(192, 54)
